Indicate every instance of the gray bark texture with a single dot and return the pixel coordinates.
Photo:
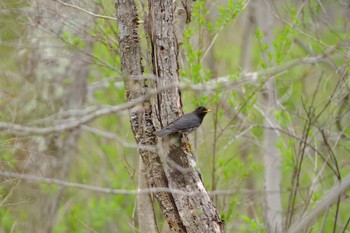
(141, 121)
(198, 213)
(145, 211)
(132, 71)
(173, 165)
(58, 79)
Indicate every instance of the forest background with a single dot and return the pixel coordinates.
(273, 154)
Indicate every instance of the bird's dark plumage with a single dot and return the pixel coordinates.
(185, 123)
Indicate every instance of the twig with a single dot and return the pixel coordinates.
(323, 205)
(38, 179)
(223, 83)
(86, 11)
(33, 178)
(117, 138)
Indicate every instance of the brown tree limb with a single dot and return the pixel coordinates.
(141, 122)
(198, 213)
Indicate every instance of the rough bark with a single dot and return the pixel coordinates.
(198, 213)
(47, 69)
(141, 121)
(272, 157)
(145, 211)
(183, 213)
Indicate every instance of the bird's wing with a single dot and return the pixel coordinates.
(186, 121)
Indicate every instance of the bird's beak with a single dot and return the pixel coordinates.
(208, 110)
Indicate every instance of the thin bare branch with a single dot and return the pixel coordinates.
(38, 179)
(86, 11)
(222, 83)
(323, 205)
(117, 138)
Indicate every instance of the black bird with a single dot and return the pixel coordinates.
(185, 123)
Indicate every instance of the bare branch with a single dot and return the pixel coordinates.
(222, 83)
(38, 179)
(323, 205)
(119, 139)
(20, 130)
(86, 11)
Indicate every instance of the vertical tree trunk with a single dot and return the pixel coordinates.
(48, 69)
(245, 62)
(183, 213)
(248, 29)
(132, 70)
(198, 213)
(145, 211)
(141, 121)
(272, 157)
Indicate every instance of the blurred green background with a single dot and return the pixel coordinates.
(312, 102)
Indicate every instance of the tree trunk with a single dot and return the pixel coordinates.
(145, 211)
(48, 70)
(198, 213)
(183, 213)
(272, 157)
(249, 24)
(141, 120)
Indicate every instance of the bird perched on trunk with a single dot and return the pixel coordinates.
(184, 124)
